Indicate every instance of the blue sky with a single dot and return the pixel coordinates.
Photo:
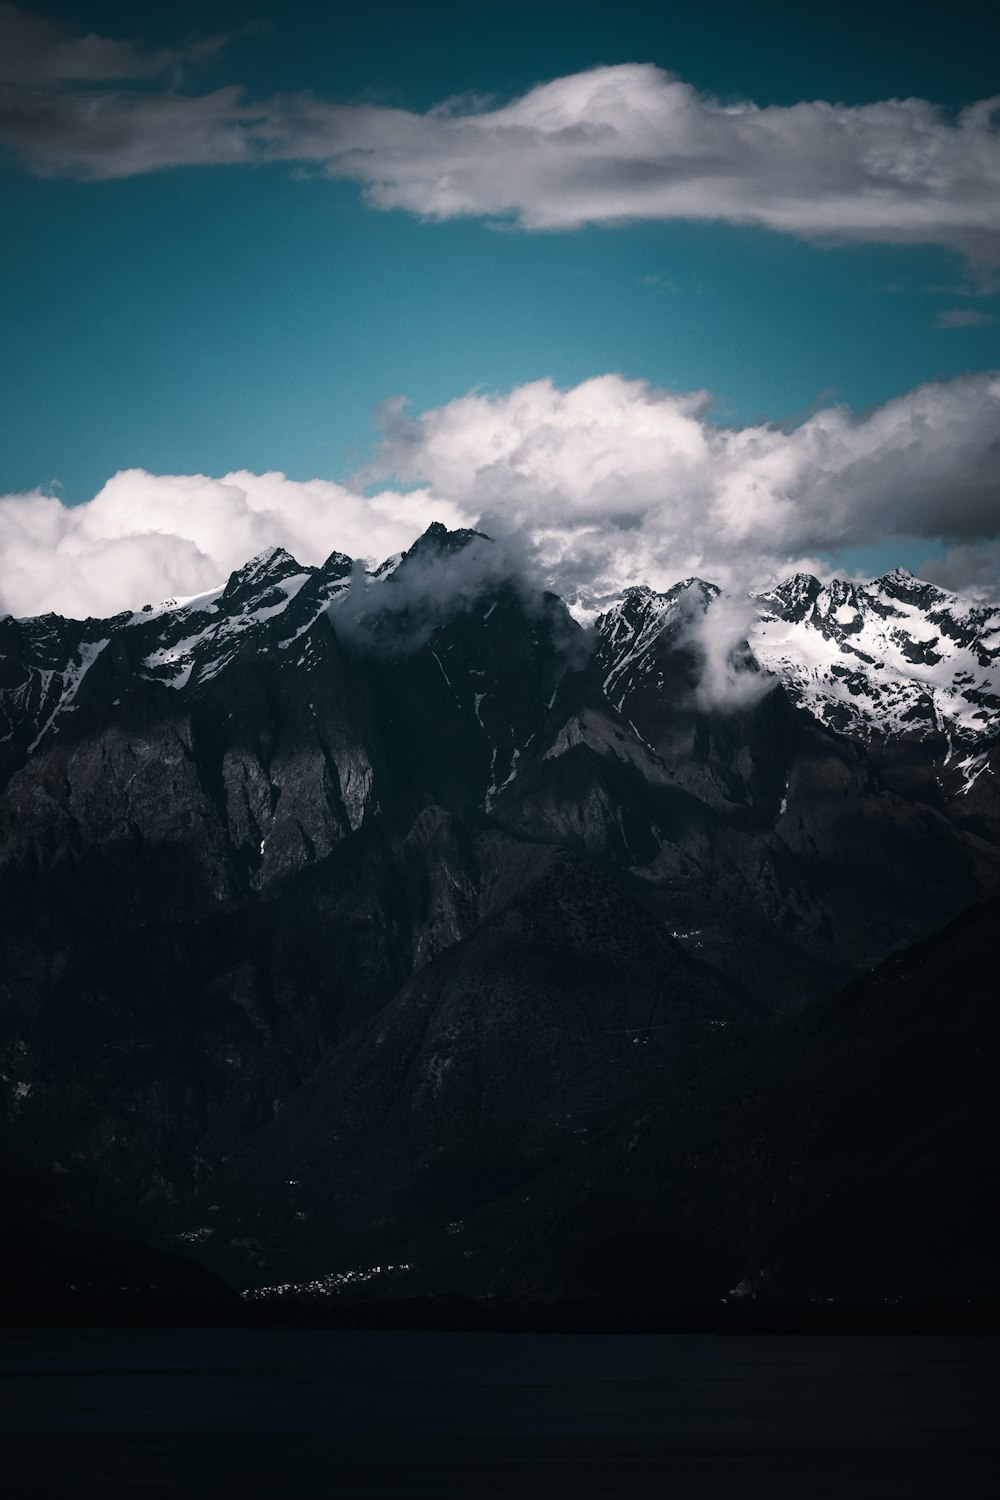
(213, 317)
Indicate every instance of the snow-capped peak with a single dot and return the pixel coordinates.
(895, 656)
(641, 618)
(271, 565)
(268, 558)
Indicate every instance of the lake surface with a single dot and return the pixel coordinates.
(279, 1413)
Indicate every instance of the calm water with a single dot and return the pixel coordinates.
(281, 1413)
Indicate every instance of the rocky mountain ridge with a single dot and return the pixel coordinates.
(898, 657)
(894, 657)
(408, 879)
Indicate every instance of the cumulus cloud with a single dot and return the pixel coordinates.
(609, 483)
(611, 144)
(145, 537)
(617, 482)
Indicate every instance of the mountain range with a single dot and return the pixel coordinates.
(395, 929)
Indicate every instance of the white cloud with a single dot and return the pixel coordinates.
(614, 143)
(633, 141)
(727, 676)
(146, 537)
(617, 482)
(609, 483)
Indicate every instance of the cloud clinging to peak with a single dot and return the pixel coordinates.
(609, 483)
(612, 144)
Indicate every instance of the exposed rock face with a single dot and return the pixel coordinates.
(399, 885)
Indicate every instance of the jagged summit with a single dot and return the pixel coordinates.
(338, 563)
(696, 584)
(181, 644)
(798, 595)
(638, 627)
(457, 535)
(271, 561)
(641, 600)
(897, 656)
(438, 540)
(893, 658)
(266, 571)
(445, 573)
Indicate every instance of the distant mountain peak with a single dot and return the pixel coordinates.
(891, 657)
(442, 571)
(439, 539)
(702, 585)
(338, 564)
(273, 564)
(645, 608)
(894, 657)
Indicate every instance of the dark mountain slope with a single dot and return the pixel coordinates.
(566, 1006)
(821, 834)
(149, 1058)
(851, 1153)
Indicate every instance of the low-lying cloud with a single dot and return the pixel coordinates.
(397, 609)
(609, 483)
(728, 676)
(599, 147)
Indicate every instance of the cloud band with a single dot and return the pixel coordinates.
(608, 145)
(609, 483)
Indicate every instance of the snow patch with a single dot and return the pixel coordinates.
(74, 674)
